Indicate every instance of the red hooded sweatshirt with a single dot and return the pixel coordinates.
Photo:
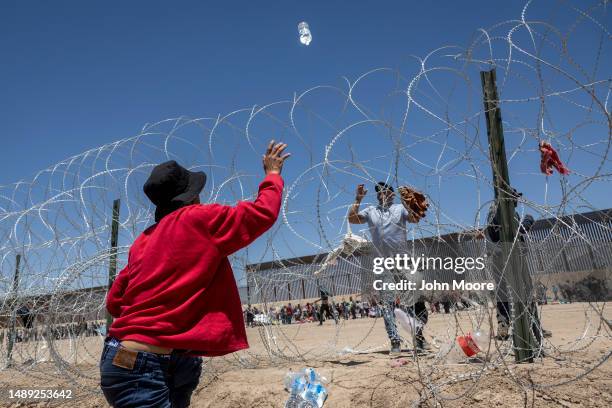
(178, 288)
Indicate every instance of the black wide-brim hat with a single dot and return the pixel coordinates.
(171, 186)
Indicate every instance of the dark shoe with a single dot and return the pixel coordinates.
(421, 345)
(396, 346)
(502, 332)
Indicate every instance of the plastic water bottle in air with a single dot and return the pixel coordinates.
(305, 35)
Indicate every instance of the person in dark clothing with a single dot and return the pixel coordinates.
(26, 316)
(352, 307)
(502, 294)
(325, 308)
(568, 291)
(250, 316)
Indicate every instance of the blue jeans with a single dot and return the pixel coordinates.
(164, 381)
(389, 319)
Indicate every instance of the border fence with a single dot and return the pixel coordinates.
(561, 249)
(565, 249)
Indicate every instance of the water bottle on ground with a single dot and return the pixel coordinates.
(474, 343)
(312, 376)
(307, 404)
(296, 384)
(315, 394)
(305, 35)
(306, 388)
(294, 401)
(295, 380)
(482, 338)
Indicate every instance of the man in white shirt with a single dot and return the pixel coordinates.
(387, 224)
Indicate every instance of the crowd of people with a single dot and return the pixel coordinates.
(313, 312)
(344, 309)
(56, 332)
(588, 289)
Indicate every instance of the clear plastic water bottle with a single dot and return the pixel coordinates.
(295, 381)
(315, 394)
(474, 343)
(297, 385)
(310, 374)
(294, 401)
(482, 338)
(307, 404)
(305, 35)
(306, 388)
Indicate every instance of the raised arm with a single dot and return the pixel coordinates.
(233, 228)
(353, 216)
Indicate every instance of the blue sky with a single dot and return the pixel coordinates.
(76, 75)
(80, 74)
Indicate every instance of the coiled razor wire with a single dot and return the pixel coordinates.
(420, 125)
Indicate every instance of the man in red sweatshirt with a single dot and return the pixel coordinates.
(177, 298)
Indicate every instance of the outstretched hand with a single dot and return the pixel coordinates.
(273, 160)
(361, 192)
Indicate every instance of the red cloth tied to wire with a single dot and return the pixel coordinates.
(550, 159)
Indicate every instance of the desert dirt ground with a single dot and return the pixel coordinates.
(353, 356)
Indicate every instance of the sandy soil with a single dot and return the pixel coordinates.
(354, 357)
